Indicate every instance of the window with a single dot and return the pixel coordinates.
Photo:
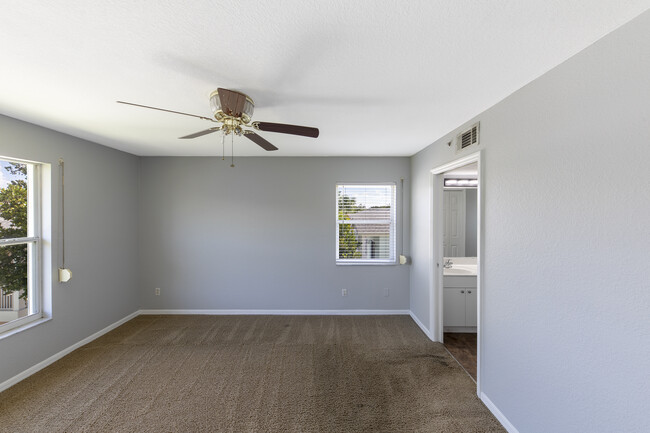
(365, 223)
(20, 243)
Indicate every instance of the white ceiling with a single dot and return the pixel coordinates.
(379, 78)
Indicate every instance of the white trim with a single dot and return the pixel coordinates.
(35, 263)
(41, 365)
(280, 312)
(17, 325)
(435, 251)
(24, 325)
(498, 414)
(456, 163)
(422, 327)
(362, 262)
(19, 161)
(18, 241)
(435, 203)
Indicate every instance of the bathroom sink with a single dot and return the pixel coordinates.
(460, 270)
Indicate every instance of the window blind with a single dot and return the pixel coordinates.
(365, 223)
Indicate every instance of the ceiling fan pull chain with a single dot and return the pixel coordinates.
(223, 146)
(232, 150)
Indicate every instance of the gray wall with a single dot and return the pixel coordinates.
(566, 287)
(101, 241)
(258, 236)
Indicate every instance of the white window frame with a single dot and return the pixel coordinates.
(33, 240)
(392, 260)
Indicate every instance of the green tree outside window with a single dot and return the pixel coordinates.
(13, 224)
(348, 242)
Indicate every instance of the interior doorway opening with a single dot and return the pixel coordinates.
(459, 265)
(456, 259)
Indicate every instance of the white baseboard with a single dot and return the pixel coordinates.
(422, 327)
(281, 312)
(498, 415)
(41, 365)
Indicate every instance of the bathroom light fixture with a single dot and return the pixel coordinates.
(461, 183)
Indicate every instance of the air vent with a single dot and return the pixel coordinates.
(468, 137)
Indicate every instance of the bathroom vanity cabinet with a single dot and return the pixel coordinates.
(460, 303)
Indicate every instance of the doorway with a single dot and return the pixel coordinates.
(456, 258)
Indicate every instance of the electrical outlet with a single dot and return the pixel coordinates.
(344, 292)
(386, 292)
(157, 291)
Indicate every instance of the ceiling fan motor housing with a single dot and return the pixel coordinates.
(229, 103)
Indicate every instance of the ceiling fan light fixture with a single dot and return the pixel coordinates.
(247, 115)
(215, 102)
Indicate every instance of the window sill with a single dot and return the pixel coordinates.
(364, 263)
(19, 329)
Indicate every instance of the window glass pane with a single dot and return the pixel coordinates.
(366, 222)
(13, 282)
(13, 200)
(372, 241)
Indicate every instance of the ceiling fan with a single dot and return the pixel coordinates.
(234, 111)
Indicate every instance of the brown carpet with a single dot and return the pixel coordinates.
(252, 374)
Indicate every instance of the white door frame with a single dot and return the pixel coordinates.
(436, 253)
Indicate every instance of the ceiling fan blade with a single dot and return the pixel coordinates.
(261, 142)
(232, 103)
(168, 111)
(204, 132)
(287, 129)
